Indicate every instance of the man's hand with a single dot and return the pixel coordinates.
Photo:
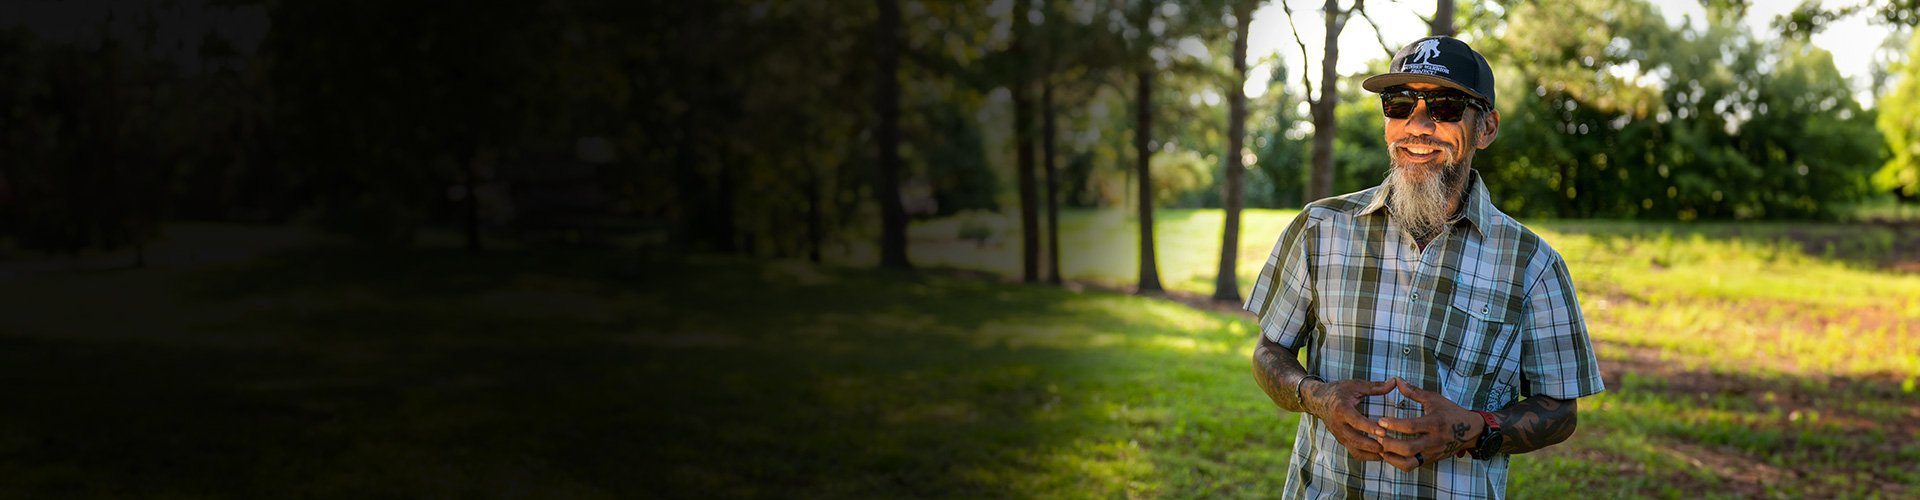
(1446, 428)
(1338, 404)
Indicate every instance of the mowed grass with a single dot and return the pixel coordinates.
(347, 372)
(337, 371)
(1741, 358)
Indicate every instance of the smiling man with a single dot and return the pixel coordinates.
(1440, 335)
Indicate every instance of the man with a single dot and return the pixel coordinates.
(1441, 336)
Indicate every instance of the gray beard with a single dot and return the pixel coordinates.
(1422, 206)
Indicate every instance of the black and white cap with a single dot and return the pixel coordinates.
(1439, 60)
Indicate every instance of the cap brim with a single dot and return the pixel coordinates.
(1377, 83)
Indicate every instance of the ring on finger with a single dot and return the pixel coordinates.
(1419, 460)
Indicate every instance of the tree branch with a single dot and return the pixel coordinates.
(1304, 80)
(1377, 36)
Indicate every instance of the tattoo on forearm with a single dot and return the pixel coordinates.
(1276, 373)
(1459, 437)
(1536, 422)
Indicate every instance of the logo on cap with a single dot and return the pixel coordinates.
(1418, 62)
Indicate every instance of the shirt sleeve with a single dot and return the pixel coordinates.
(1557, 358)
(1282, 296)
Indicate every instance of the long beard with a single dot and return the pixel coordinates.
(1423, 205)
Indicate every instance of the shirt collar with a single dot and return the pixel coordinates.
(1477, 208)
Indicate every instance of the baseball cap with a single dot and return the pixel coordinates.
(1441, 60)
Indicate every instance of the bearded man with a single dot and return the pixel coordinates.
(1441, 336)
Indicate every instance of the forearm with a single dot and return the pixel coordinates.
(1277, 369)
(1536, 422)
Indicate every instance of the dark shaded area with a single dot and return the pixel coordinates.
(356, 372)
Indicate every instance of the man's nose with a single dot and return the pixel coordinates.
(1420, 122)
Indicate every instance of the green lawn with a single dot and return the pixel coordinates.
(1736, 367)
(1746, 358)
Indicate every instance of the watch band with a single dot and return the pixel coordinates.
(1490, 439)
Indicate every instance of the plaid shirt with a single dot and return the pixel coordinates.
(1485, 315)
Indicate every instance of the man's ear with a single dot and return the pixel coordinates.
(1489, 129)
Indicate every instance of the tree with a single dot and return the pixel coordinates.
(1149, 276)
(1900, 124)
(1320, 178)
(893, 216)
(1226, 286)
(1441, 24)
(1022, 86)
(384, 116)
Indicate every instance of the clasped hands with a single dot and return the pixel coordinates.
(1444, 430)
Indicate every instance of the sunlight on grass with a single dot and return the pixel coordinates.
(1789, 308)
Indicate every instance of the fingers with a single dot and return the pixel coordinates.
(1352, 419)
(1379, 388)
(1355, 440)
(1420, 425)
(1415, 393)
(1404, 463)
(1406, 447)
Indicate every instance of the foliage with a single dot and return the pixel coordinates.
(92, 131)
(1900, 124)
(1630, 118)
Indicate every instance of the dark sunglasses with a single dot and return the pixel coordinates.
(1442, 105)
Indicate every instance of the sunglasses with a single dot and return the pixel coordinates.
(1442, 105)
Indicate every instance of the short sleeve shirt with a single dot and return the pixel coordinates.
(1485, 315)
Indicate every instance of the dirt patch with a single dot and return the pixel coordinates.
(1837, 400)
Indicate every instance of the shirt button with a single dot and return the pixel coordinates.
(1484, 309)
(1416, 295)
(1407, 351)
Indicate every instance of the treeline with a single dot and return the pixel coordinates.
(805, 129)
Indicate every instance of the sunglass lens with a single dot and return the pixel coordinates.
(1446, 109)
(1398, 106)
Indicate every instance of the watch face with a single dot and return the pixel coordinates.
(1489, 444)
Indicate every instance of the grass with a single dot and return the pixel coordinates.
(1743, 358)
(1737, 364)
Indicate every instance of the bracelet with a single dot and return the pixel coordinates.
(1297, 399)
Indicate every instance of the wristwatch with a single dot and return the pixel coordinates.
(1489, 444)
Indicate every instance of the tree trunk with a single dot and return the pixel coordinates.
(473, 202)
(1442, 19)
(1053, 183)
(1320, 183)
(813, 212)
(1023, 148)
(1226, 283)
(886, 97)
(1143, 131)
(725, 228)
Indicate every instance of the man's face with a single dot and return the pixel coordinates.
(1430, 160)
(1421, 147)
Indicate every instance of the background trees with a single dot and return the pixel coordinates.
(788, 129)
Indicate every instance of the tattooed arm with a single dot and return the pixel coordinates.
(1277, 370)
(1536, 422)
(1531, 424)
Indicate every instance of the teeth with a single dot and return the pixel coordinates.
(1419, 150)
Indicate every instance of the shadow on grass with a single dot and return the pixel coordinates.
(423, 373)
(1881, 246)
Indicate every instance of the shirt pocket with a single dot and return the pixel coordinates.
(1476, 347)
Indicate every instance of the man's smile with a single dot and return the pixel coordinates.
(1421, 153)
